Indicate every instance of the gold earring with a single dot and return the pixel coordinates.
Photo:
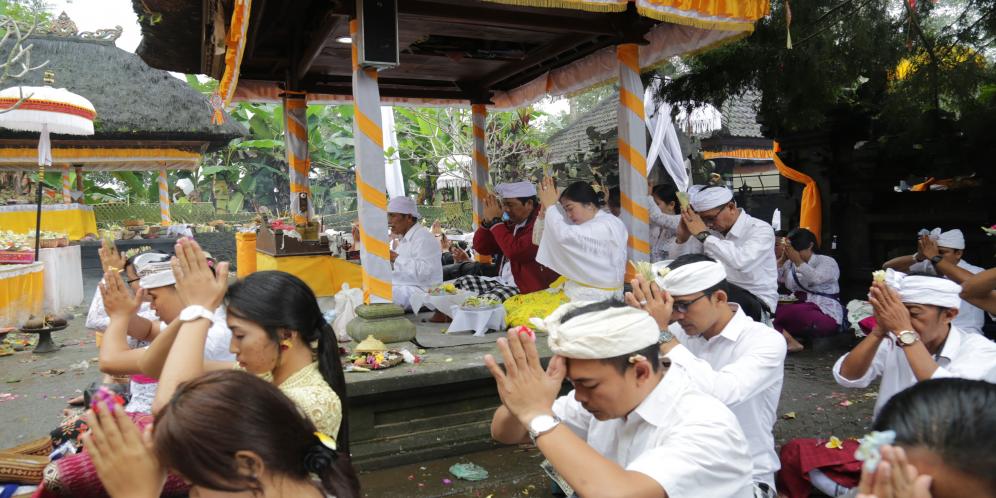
(285, 344)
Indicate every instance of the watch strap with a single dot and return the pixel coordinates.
(534, 434)
(936, 259)
(702, 236)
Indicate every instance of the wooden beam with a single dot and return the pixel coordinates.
(485, 16)
(542, 54)
(257, 13)
(317, 43)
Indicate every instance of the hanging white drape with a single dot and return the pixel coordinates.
(392, 174)
(663, 138)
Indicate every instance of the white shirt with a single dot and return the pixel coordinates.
(663, 233)
(592, 253)
(505, 276)
(747, 252)
(683, 439)
(419, 262)
(742, 367)
(819, 274)
(964, 355)
(970, 318)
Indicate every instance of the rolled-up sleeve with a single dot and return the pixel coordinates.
(876, 368)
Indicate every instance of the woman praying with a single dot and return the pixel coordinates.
(813, 280)
(584, 244)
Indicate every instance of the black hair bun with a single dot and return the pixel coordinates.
(319, 458)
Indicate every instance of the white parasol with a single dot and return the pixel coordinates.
(45, 110)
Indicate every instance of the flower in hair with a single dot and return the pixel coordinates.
(321, 455)
(870, 450)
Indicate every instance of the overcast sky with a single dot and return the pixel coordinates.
(91, 15)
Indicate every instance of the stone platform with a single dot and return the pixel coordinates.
(440, 407)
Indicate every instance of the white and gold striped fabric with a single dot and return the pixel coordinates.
(67, 191)
(298, 161)
(368, 143)
(633, 156)
(164, 198)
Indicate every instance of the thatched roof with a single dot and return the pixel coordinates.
(134, 102)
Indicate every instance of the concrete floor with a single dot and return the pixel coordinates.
(34, 390)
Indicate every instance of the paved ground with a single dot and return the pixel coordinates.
(34, 390)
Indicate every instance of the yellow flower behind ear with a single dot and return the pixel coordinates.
(835, 443)
(326, 440)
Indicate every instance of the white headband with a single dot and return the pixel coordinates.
(952, 239)
(402, 205)
(691, 278)
(599, 335)
(916, 289)
(517, 189)
(705, 197)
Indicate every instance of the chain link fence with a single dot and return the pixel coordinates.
(192, 212)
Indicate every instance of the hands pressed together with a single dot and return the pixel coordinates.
(894, 477)
(525, 388)
(548, 195)
(649, 297)
(196, 284)
(118, 301)
(890, 313)
(122, 455)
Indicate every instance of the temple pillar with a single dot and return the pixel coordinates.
(298, 162)
(164, 214)
(633, 156)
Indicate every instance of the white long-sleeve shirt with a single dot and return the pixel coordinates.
(663, 233)
(964, 355)
(678, 436)
(819, 274)
(742, 366)
(970, 318)
(747, 252)
(592, 253)
(419, 261)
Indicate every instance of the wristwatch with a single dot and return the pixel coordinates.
(195, 312)
(665, 337)
(907, 338)
(702, 236)
(542, 424)
(936, 259)
(490, 223)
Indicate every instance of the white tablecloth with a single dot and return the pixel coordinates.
(63, 277)
(480, 321)
(443, 302)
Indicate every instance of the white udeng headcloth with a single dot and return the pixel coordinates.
(403, 205)
(600, 334)
(916, 289)
(705, 197)
(517, 189)
(691, 278)
(952, 239)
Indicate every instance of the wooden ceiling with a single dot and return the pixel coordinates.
(456, 49)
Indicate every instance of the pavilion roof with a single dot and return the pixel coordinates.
(451, 51)
(143, 114)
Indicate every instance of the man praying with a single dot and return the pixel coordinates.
(713, 225)
(415, 260)
(628, 428)
(727, 354)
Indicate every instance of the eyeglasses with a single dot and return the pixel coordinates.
(682, 306)
(710, 219)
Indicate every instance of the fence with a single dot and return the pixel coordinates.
(193, 212)
(452, 214)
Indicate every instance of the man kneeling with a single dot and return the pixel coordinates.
(628, 428)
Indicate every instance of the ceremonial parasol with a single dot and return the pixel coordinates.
(46, 110)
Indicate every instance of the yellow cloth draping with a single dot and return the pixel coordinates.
(76, 220)
(811, 209)
(245, 253)
(324, 274)
(21, 293)
(235, 44)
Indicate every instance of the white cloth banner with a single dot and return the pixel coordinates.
(392, 173)
(63, 277)
(442, 303)
(480, 321)
(664, 138)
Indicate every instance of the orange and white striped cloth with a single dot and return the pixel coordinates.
(164, 198)
(298, 161)
(633, 156)
(67, 190)
(368, 137)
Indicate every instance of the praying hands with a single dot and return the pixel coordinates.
(525, 388)
(894, 477)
